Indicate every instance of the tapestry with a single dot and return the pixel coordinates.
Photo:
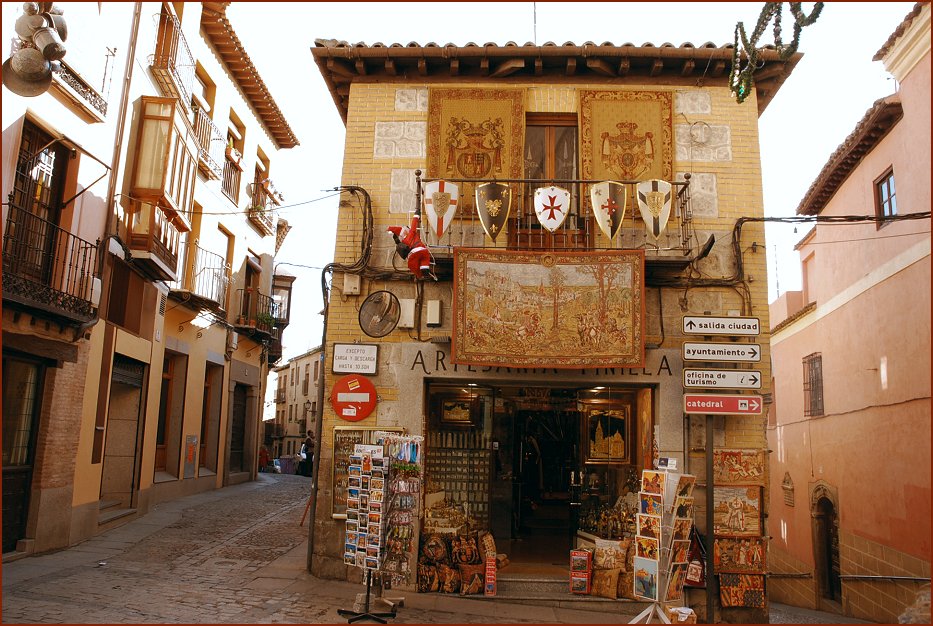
(739, 467)
(737, 511)
(475, 133)
(739, 555)
(746, 590)
(627, 135)
(567, 310)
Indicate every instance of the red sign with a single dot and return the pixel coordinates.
(719, 404)
(353, 398)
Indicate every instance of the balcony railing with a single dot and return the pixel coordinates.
(48, 268)
(152, 238)
(578, 232)
(205, 279)
(263, 202)
(230, 184)
(280, 396)
(210, 144)
(256, 310)
(80, 92)
(172, 62)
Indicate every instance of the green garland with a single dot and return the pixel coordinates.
(741, 79)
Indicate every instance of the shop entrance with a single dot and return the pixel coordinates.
(537, 466)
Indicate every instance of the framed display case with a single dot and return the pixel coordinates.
(455, 411)
(607, 432)
(345, 438)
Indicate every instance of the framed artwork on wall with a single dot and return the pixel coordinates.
(606, 433)
(455, 411)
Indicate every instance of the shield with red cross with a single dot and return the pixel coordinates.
(551, 206)
(440, 204)
(608, 199)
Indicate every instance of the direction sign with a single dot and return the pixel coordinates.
(720, 404)
(729, 326)
(732, 352)
(722, 379)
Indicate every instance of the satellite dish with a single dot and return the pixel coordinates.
(379, 314)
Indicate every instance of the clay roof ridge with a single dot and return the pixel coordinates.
(900, 30)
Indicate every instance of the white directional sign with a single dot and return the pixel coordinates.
(729, 326)
(722, 379)
(732, 352)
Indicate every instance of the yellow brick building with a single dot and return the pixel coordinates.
(513, 440)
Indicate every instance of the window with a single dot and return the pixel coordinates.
(813, 385)
(885, 200)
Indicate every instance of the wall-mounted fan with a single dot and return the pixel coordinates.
(379, 314)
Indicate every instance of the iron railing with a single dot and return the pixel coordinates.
(210, 144)
(81, 87)
(256, 310)
(172, 62)
(262, 208)
(230, 184)
(48, 268)
(578, 232)
(206, 277)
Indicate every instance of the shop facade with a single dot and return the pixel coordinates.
(541, 435)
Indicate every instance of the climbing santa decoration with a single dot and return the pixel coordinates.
(409, 246)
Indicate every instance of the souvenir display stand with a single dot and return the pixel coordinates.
(662, 541)
(404, 456)
(368, 470)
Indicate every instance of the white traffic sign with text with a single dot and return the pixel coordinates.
(722, 379)
(729, 326)
(732, 352)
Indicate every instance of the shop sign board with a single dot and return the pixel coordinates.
(355, 358)
(732, 352)
(722, 404)
(353, 397)
(728, 326)
(722, 379)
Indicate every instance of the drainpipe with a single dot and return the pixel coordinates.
(115, 163)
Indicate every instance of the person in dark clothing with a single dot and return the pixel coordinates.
(307, 448)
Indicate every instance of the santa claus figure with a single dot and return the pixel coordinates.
(409, 246)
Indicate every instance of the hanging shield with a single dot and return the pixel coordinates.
(654, 202)
(608, 199)
(440, 204)
(551, 206)
(493, 201)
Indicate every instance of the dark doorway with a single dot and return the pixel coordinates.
(22, 399)
(238, 428)
(826, 533)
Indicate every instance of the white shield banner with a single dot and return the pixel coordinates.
(440, 204)
(609, 201)
(654, 203)
(551, 206)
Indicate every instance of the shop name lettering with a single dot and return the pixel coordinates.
(440, 365)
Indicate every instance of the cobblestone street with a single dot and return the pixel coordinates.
(236, 555)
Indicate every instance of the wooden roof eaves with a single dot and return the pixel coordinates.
(868, 133)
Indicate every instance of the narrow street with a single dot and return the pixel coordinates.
(236, 555)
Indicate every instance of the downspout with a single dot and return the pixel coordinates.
(115, 163)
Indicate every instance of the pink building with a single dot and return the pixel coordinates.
(850, 427)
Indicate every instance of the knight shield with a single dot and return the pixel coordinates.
(551, 206)
(440, 204)
(493, 201)
(609, 201)
(654, 203)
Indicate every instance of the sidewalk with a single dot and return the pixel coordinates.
(238, 555)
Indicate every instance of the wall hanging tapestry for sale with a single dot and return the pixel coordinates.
(554, 310)
(627, 135)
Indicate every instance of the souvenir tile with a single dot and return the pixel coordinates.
(737, 511)
(683, 507)
(378, 473)
(364, 501)
(351, 525)
(374, 529)
(646, 579)
(680, 531)
(364, 482)
(743, 555)
(675, 582)
(349, 547)
(375, 518)
(679, 551)
(378, 462)
(353, 503)
(653, 482)
(372, 562)
(349, 558)
(685, 485)
(353, 538)
(649, 526)
(647, 548)
(356, 459)
(377, 483)
(376, 495)
(353, 492)
(374, 540)
(739, 467)
(354, 482)
(361, 558)
(353, 515)
(746, 590)
(354, 470)
(650, 504)
(375, 507)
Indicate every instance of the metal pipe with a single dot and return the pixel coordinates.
(879, 577)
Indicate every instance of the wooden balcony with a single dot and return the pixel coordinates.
(48, 269)
(152, 235)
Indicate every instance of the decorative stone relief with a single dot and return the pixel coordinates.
(703, 197)
(402, 191)
(411, 99)
(692, 102)
(702, 142)
(405, 140)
